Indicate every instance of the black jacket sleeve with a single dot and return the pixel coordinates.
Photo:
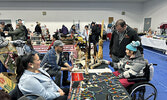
(111, 42)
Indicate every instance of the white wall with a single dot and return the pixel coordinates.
(59, 13)
(157, 10)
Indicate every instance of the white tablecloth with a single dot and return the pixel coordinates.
(155, 43)
(108, 70)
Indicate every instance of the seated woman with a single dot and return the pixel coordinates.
(33, 80)
(28, 47)
(131, 65)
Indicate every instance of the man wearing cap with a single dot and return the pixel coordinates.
(53, 60)
(131, 65)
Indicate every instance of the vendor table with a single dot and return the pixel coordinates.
(98, 86)
(155, 43)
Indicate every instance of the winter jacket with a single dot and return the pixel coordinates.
(118, 49)
(64, 30)
(130, 67)
(18, 34)
(38, 29)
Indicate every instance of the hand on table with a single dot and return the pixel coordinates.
(70, 68)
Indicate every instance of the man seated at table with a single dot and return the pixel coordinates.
(131, 65)
(53, 60)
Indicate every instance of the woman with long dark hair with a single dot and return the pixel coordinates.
(34, 80)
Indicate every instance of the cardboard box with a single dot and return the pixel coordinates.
(7, 81)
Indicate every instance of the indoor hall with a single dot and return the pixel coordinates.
(147, 17)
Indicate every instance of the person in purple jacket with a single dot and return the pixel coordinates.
(64, 30)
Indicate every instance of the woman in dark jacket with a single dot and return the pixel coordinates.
(38, 29)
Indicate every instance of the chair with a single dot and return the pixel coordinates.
(36, 97)
(16, 94)
(142, 89)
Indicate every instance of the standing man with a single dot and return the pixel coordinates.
(53, 60)
(24, 27)
(17, 34)
(38, 29)
(122, 36)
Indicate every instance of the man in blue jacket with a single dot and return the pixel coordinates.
(53, 60)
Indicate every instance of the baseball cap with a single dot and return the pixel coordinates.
(58, 43)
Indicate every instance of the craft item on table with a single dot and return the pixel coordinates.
(98, 85)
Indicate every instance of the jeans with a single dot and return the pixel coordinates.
(56, 74)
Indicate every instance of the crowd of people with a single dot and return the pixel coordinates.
(36, 77)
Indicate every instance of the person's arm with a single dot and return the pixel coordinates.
(57, 88)
(15, 32)
(68, 66)
(117, 65)
(33, 86)
(64, 68)
(111, 44)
